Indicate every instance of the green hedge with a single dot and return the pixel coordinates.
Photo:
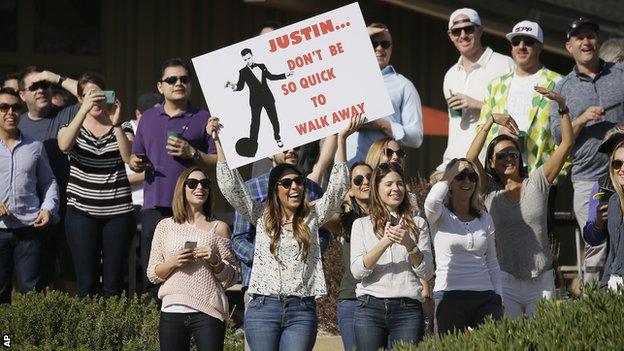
(594, 322)
(55, 321)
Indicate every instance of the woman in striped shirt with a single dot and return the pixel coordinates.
(99, 219)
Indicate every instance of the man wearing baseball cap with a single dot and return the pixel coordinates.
(465, 83)
(595, 97)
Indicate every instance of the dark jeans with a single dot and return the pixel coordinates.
(92, 240)
(175, 330)
(149, 220)
(459, 312)
(346, 322)
(285, 323)
(382, 322)
(20, 250)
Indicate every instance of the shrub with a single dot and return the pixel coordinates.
(56, 321)
(594, 322)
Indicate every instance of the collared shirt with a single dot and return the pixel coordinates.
(406, 121)
(244, 233)
(151, 139)
(473, 83)
(25, 173)
(606, 89)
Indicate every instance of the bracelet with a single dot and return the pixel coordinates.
(564, 111)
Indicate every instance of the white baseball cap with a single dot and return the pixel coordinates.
(472, 15)
(527, 29)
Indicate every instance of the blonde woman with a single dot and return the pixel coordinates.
(614, 266)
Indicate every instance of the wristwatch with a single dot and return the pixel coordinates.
(196, 155)
(564, 111)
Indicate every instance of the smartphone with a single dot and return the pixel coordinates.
(604, 195)
(110, 96)
(190, 244)
(394, 220)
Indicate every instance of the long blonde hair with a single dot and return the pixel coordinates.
(376, 150)
(273, 215)
(476, 199)
(379, 213)
(616, 184)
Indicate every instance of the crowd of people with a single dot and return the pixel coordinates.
(78, 179)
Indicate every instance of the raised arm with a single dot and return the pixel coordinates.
(71, 85)
(67, 135)
(434, 203)
(553, 166)
(326, 157)
(124, 143)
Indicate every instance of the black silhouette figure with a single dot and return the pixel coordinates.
(260, 96)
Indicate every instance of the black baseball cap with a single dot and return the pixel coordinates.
(578, 23)
(148, 100)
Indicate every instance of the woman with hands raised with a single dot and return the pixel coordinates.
(518, 203)
(390, 253)
(192, 259)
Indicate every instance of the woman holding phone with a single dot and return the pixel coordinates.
(99, 216)
(614, 266)
(518, 204)
(287, 273)
(390, 253)
(192, 259)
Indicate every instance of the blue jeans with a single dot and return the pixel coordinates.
(175, 330)
(346, 322)
(382, 322)
(91, 238)
(20, 250)
(285, 323)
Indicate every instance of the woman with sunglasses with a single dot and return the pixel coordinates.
(518, 204)
(287, 273)
(383, 151)
(468, 281)
(100, 215)
(614, 266)
(390, 253)
(192, 259)
(354, 207)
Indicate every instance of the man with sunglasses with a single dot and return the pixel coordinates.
(595, 98)
(29, 200)
(405, 124)
(515, 96)
(465, 84)
(171, 138)
(42, 120)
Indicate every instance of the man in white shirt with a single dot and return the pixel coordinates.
(465, 84)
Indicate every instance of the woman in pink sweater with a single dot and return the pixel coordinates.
(192, 259)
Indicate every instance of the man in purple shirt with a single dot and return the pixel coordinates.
(171, 138)
(29, 200)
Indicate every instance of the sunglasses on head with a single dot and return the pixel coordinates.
(287, 182)
(512, 154)
(616, 164)
(16, 107)
(173, 79)
(294, 148)
(359, 179)
(389, 152)
(526, 40)
(391, 166)
(472, 176)
(42, 84)
(384, 44)
(192, 183)
(468, 30)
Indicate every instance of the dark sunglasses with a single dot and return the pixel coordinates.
(359, 179)
(400, 153)
(17, 108)
(525, 40)
(287, 182)
(42, 84)
(173, 79)
(472, 176)
(384, 44)
(616, 164)
(512, 154)
(294, 148)
(468, 30)
(192, 183)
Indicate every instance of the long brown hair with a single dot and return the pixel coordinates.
(616, 184)
(179, 204)
(273, 214)
(379, 213)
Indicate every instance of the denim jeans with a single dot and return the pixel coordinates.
(91, 238)
(175, 330)
(346, 322)
(286, 323)
(149, 221)
(383, 322)
(20, 251)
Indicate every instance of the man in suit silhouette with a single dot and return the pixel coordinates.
(255, 75)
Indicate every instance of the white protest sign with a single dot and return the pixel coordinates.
(294, 85)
